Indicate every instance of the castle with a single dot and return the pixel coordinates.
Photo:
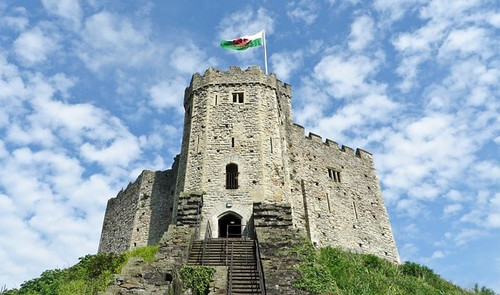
(243, 166)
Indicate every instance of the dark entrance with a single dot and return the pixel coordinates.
(230, 226)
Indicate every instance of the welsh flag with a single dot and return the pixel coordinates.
(243, 43)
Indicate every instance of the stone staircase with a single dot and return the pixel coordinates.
(243, 275)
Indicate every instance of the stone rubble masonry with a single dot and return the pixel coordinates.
(332, 193)
(277, 236)
(140, 214)
(161, 276)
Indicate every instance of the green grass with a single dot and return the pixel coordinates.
(323, 271)
(334, 271)
(91, 274)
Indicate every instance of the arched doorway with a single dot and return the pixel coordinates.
(230, 226)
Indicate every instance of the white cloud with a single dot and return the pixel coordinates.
(346, 76)
(393, 10)
(302, 10)
(410, 207)
(452, 209)
(487, 170)
(438, 255)
(463, 42)
(494, 19)
(455, 196)
(15, 19)
(285, 63)
(67, 9)
(111, 39)
(168, 94)
(466, 235)
(189, 59)
(34, 46)
(372, 109)
(362, 33)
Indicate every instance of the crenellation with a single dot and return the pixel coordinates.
(315, 137)
(347, 150)
(332, 143)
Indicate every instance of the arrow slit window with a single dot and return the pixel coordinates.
(231, 176)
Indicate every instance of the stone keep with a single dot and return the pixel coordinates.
(240, 151)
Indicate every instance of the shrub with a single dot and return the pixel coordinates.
(197, 278)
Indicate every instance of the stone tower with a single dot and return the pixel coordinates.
(234, 147)
(245, 168)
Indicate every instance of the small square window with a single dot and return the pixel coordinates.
(238, 97)
(334, 174)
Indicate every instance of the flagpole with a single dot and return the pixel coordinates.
(265, 50)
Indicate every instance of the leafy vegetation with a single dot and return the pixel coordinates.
(323, 271)
(91, 274)
(197, 278)
(334, 271)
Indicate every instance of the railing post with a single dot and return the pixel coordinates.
(208, 234)
(259, 266)
(230, 273)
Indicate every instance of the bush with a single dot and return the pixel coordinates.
(91, 274)
(417, 270)
(197, 278)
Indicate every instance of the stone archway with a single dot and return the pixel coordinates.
(230, 226)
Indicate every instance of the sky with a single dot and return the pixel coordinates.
(91, 94)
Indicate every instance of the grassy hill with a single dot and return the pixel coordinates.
(323, 271)
(91, 274)
(333, 271)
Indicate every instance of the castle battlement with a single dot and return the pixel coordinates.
(236, 77)
(359, 153)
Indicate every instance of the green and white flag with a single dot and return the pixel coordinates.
(243, 43)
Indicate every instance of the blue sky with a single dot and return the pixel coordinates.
(91, 94)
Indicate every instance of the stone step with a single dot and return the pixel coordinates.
(245, 277)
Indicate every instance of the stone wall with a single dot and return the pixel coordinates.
(336, 196)
(276, 236)
(249, 133)
(119, 219)
(161, 276)
(140, 214)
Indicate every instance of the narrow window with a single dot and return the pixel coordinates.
(328, 201)
(216, 100)
(232, 142)
(334, 174)
(271, 141)
(231, 176)
(355, 210)
(238, 97)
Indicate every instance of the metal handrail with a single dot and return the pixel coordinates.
(230, 273)
(208, 235)
(196, 231)
(259, 267)
(208, 231)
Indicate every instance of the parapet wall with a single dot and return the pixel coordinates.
(234, 76)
